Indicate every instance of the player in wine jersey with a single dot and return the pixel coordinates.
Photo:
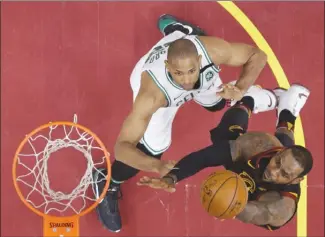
(182, 66)
(271, 166)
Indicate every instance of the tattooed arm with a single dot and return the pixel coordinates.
(252, 143)
(274, 210)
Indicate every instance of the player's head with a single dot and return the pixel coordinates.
(183, 63)
(289, 166)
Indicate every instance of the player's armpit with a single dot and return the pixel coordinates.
(134, 127)
(275, 212)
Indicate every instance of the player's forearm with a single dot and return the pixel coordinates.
(128, 154)
(211, 156)
(251, 70)
(187, 167)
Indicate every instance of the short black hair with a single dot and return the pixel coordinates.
(304, 157)
(181, 48)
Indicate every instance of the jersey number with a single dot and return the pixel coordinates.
(156, 52)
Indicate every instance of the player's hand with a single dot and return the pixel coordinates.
(165, 167)
(157, 183)
(233, 218)
(230, 92)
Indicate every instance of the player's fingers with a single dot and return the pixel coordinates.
(152, 184)
(144, 180)
(139, 183)
(232, 87)
(170, 164)
(171, 189)
(221, 93)
(157, 184)
(229, 86)
(173, 162)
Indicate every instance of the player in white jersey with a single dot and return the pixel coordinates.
(157, 136)
(182, 66)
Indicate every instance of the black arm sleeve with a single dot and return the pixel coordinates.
(214, 155)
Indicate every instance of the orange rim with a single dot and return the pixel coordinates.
(23, 142)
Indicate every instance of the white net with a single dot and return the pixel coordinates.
(33, 170)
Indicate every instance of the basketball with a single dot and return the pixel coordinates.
(224, 194)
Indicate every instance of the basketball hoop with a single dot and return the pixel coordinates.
(60, 209)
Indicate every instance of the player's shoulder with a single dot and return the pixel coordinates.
(253, 137)
(291, 191)
(260, 133)
(209, 40)
(263, 136)
(155, 59)
(215, 46)
(149, 90)
(251, 144)
(155, 64)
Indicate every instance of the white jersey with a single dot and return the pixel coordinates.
(176, 95)
(157, 137)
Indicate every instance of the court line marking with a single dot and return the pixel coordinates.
(282, 80)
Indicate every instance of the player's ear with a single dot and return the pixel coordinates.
(297, 180)
(199, 58)
(166, 64)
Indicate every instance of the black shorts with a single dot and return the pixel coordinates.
(233, 123)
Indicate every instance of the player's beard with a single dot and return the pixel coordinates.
(260, 173)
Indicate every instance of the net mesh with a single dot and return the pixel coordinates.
(34, 170)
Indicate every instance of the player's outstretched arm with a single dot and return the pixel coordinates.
(191, 164)
(135, 125)
(251, 58)
(274, 210)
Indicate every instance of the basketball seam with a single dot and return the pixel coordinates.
(215, 193)
(233, 197)
(212, 176)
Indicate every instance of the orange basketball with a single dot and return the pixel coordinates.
(224, 194)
